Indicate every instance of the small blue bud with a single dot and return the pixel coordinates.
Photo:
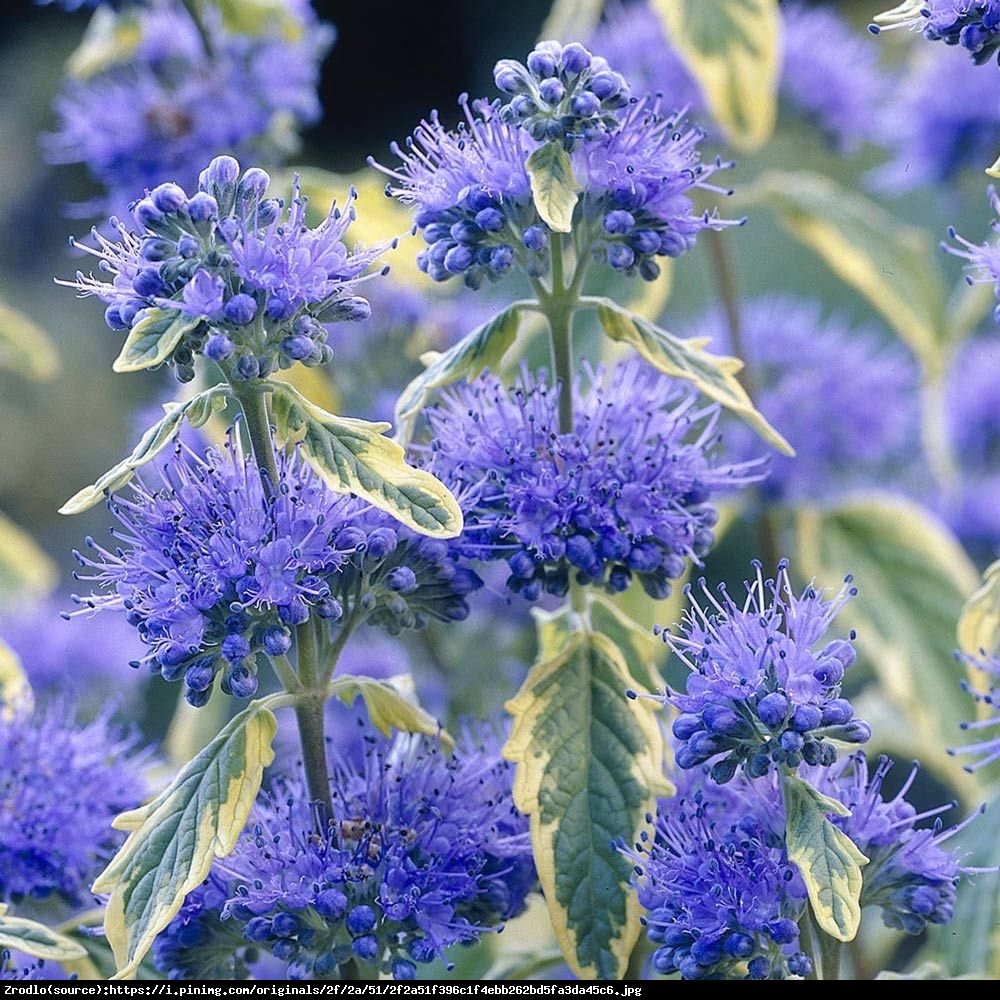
(361, 920)
(254, 183)
(535, 238)
(247, 367)
(402, 580)
(203, 207)
(552, 91)
(458, 258)
(585, 104)
(542, 63)
(297, 348)
(240, 309)
(772, 709)
(169, 198)
(218, 347)
(490, 219)
(501, 259)
(285, 925)
(806, 718)
(366, 947)
(607, 85)
(330, 904)
(403, 970)
(221, 172)
(575, 58)
(235, 648)
(620, 257)
(276, 640)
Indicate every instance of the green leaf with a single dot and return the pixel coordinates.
(37, 940)
(483, 348)
(25, 347)
(355, 456)
(732, 48)
(196, 410)
(894, 265)
(993, 170)
(173, 840)
(260, 17)
(152, 340)
(15, 691)
(388, 707)
(589, 769)
(828, 859)
(912, 577)
(571, 20)
(712, 374)
(25, 570)
(553, 186)
(110, 39)
(640, 647)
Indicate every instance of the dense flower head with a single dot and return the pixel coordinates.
(910, 877)
(982, 260)
(61, 784)
(171, 103)
(212, 568)
(472, 196)
(831, 75)
(637, 184)
(423, 850)
(860, 384)
(563, 93)
(627, 494)
(759, 692)
(938, 121)
(972, 419)
(722, 899)
(84, 657)
(972, 24)
(242, 281)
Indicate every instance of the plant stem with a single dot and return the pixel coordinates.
(309, 684)
(724, 273)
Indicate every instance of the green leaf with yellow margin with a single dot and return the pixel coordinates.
(25, 347)
(24, 568)
(483, 348)
(828, 859)
(979, 624)
(641, 648)
(388, 707)
(589, 769)
(355, 456)
(15, 691)
(173, 840)
(195, 410)
(894, 265)
(571, 20)
(733, 50)
(36, 939)
(994, 169)
(913, 578)
(554, 189)
(111, 39)
(712, 374)
(152, 340)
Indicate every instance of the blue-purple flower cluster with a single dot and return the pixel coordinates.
(723, 900)
(228, 274)
(184, 93)
(423, 850)
(972, 24)
(628, 494)
(61, 784)
(563, 94)
(212, 568)
(982, 260)
(862, 390)
(636, 164)
(759, 693)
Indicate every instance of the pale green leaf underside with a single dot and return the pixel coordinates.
(195, 410)
(152, 340)
(589, 767)
(173, 840)
(355, 456)
(25, 347)
(553, 187)
(828, 859)
(110, 39)
(732, 48)
(15, 691)
(894, 265)
(483, 348)
(714, 375)
(388, 708)
(37, 940)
